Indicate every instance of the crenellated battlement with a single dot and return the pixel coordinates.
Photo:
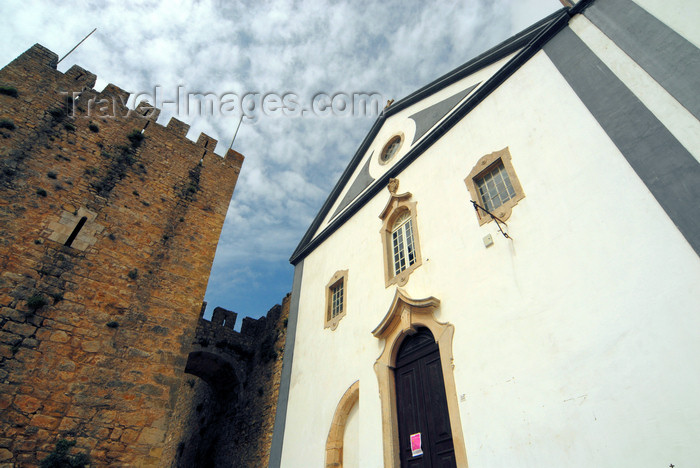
(147, 111)
(115, 93)
(81, 77)
(178, 127)
(103, 105)
(206, 142)
(223, 321)
(223, 318)
(256, 335)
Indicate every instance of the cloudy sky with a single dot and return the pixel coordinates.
(301, 51)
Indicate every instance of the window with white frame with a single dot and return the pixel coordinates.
(404, 254)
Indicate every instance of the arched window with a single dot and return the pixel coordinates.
(399, 237)
(402, 245)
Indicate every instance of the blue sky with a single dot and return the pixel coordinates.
(301, 49)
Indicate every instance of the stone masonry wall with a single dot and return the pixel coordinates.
(94, 335)
(229, 423)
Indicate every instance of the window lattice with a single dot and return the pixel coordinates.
(495, 187)
(336, 299)
(402, 243)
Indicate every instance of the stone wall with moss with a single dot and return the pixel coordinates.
(108, 227)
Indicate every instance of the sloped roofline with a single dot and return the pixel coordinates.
(529, 41)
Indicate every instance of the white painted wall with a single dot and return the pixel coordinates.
(351, 439)
(576, 343)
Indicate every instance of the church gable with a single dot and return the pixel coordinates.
(405, 129)
(402, 130)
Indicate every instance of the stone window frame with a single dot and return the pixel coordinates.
(340, 276)
(401, 320)
(484, 165)
(334, 442)
(62, 228)
(391, 140)
(397, 205)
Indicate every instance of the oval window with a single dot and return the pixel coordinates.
(390, 149)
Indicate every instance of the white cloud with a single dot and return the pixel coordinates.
(305, 47)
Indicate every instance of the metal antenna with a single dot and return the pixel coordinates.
(76, 46)
(236, 132)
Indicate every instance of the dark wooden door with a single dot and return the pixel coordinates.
(421, 403)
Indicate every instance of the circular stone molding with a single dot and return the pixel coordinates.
(391, 148)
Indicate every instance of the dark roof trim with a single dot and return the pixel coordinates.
(492, 55)
(531, 41)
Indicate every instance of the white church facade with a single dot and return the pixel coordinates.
(507, 274)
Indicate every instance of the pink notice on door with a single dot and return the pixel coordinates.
(416, 444)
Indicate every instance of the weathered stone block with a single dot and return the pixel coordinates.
(81, 412)
(90, 346)
(21, 329)
(30, 342)
(14, 314)
(54, 408)
(151, 436)
(68, 424)
(5, 454)
(5, 401)
(66, 365)
(27, 356)
(24, 446)
(59, 337)
(86, 442)
(6, 351)
(44, 422)
(9, 338)
(129, 436)
(27, 404)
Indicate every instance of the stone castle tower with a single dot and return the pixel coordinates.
(108, 227)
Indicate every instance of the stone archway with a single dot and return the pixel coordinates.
(211, 400)
(334, 442)
(221, 372)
